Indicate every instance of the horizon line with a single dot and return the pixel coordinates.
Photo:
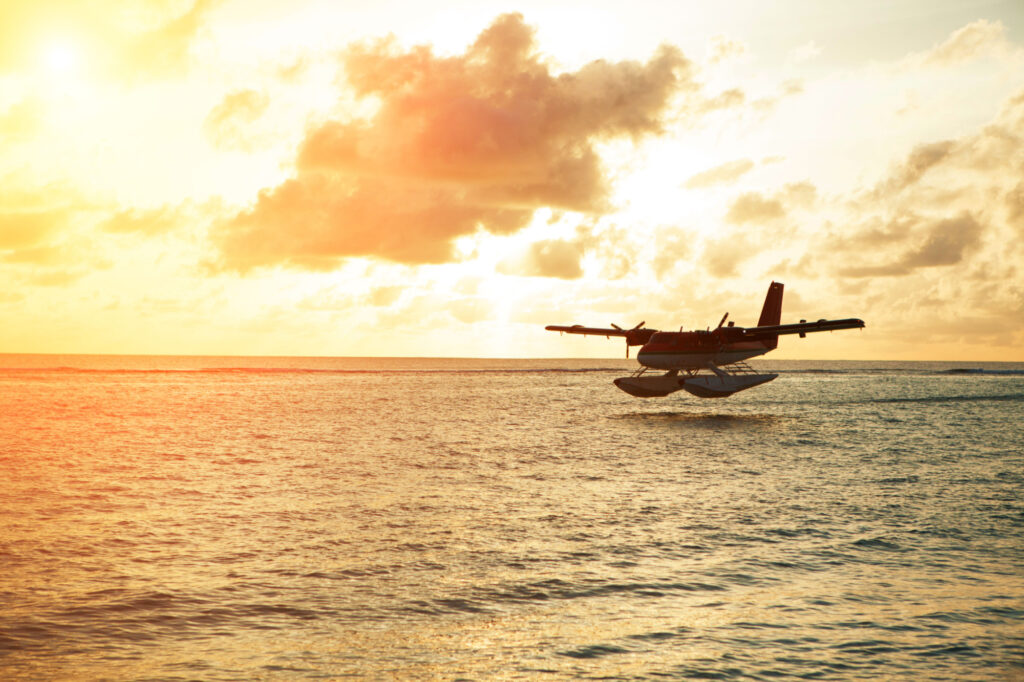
(448, 357)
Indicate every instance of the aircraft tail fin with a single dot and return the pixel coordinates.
(771, 312)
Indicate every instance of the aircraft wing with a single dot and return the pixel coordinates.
(637, 336)
(580, 329)
(802, 328)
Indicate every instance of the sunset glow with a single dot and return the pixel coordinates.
(60, 58)
(227, 177)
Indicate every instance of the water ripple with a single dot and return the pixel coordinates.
(852, 522)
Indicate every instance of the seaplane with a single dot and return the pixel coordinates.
(707, 363)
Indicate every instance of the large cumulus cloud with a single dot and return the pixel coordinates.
(456, 144)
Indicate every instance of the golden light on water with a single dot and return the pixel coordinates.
(352, 517)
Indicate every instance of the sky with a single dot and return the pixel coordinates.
(314, 177)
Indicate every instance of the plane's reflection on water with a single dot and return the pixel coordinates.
(697, 418)
(516, 520)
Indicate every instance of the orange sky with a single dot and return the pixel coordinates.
(319, 178)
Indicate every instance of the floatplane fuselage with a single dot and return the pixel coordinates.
(706, 363)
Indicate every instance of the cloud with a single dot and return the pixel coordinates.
(917, 163)
(607, 246)
(55, 278)
(733, 246)
(945, 243)
(805, 52)
(940, 207)
(799, 195)
(36, 222)
(788, 88)
(977, 39)
(736, 100)
(470, 310)
(34, 216)
(752, 207)
(228, 125)
(165, 48)
(722, 257)
(726, 173)
(727, 99)
(315, 221)
(21, 119)
(293, 70)
(876, 233)
(28, 228)
(794, 86)
(149, 222)
(1015, 207)
(37, 255)
(548, 258)
(457, 144)
(946, 204)
(673, 247)
(385, 296)
(614, 249)
(722, 48)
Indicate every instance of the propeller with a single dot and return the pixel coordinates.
(628, 337)
(724, 318)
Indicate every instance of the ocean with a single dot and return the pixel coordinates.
(188, 518)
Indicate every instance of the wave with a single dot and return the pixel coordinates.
(827, 371)
(1013, 397)
(914, 371)
(981, 371)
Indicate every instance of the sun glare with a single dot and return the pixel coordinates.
(60, 58)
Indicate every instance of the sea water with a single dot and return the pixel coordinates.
(294, 518)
